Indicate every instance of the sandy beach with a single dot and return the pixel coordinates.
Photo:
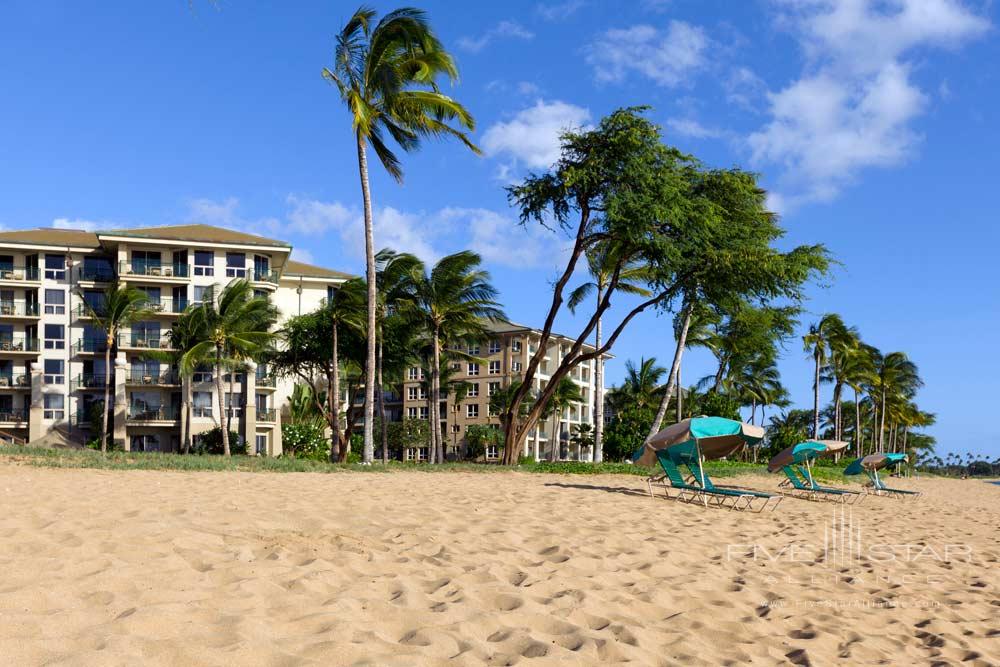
(166, 568)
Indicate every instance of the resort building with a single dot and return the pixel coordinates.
(504, 357)
(52, 356)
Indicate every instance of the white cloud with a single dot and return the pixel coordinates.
(689, 127)
(501, 30)
(854, 104)
(226, 213)
(526, 88)
(745, 89)
(557, 11)
(85, 225)
(302, 255)
(668, 56)
(532, 135)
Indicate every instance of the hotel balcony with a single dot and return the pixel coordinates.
(146, 272)
(265, 382)
(267, 415)
(89, 346)
(138, 341)
(89, 382)
(264, 279)
(153, 415)
(15, 382)
(13, 418)
(143, 378)
(167, 306)
(18, 345)
(96, 274)
(18, 310)
(19, 275)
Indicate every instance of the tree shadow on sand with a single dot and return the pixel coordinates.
(624, 490)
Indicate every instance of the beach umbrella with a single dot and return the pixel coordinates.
(705, 437)
(800, 453)
(874, 462)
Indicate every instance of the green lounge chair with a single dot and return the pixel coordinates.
(800, 483)
(700, 488)
(870, 465)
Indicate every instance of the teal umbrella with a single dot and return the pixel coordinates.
(874, 462)
(800, 453)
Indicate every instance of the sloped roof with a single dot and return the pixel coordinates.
(293, 268)
(196, 233)
(51, 236)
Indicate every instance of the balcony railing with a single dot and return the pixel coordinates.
(18, 343)
(97, 274)
(12, 416)
(144, 341)
(166, 305)
(137, 376)
(83, 311)
(265, 277)
(266, 415)
(18, 309)
(201, 411)
(11, 380)
(89, 381)
(142, 413)
(154, 270)
(91, 345)
(266, 381)
(19, 273)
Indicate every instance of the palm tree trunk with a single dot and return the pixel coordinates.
(816, 397)
(222, 403)
(368, 453)
(881, 426)
(680, 396)
(381, 409)
(229, 412)
(838, 388)
(598, 454)
(857, 423)
(753, 409)
(334, 397)
(435, 408)
(108, 378)
(661, 411)
(185, 408)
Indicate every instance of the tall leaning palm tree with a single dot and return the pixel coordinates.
(183, 336)
(895, 377)
(234, 325)
(119, 306)
(453, 302)
(817, 343)
(602, 263)
(567, 392)
(836, 370)
(386, 74)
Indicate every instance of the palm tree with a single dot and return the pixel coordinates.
(895, 376)
(451, 303)
(641, 387)
(602, 263)
(235, 325)
(700, 333)
(119, 306)
(393, 285)
(184, 335)
(821, 336)
(857, 368)
(386, 75)
(836, 369)
(343, 308)
(566, 393)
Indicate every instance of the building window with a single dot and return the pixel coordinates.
(492, 452)
(424, 413)
(55, 301)
(261, 445)
(201, 376)
(55, 371)
(515, 366)
(493, 388)
(494, 346)
(416, 374)
(145, 443)
(234, 404)
(473, 369)
(55, 267)
(473, 390)
(494, 368)
(201, 292)
(472, 410)
(516, 345)
(204, 263)
(54, 407)
(474, 350)
(201, 404)
(236, 265)
(411, 413)
(411, 393)
(55, 337)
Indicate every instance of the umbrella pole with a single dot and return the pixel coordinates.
(701, 469)
(809, 472)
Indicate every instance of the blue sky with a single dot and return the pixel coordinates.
(874, 125)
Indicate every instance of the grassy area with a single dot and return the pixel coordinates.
(86, 458)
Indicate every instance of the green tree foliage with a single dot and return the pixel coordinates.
(213, 442)
(478, 437)
(408, 433)
(305, 440)
(627, 432)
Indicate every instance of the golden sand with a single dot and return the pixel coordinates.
(164, 568)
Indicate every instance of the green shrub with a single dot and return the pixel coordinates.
(210, 442)
(305, 440)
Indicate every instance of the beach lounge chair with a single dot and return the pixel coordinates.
(698, 487)
(870, 465)
(800, 483)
